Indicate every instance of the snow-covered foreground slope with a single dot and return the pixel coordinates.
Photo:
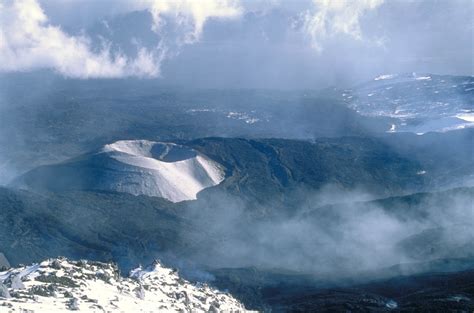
(60, 285)
(138, 167)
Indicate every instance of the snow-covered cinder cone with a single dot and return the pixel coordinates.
(139, 167)
(58, 285)
(166, 170)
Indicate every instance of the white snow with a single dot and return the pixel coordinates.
(252, 120)
(468, 117)
(200, 110)
(133, 147)
(458, 298)
(391, 304)
(61, 285)
(166, 170)
(385, 76)
(243, 116)
(423, 78)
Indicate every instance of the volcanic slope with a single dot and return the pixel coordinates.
(140, 167)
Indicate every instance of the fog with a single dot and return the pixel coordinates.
(333, 236)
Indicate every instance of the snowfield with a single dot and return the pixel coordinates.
(166, 170)
(61, 285)
(416, 103)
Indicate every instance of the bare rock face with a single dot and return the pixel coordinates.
(4, 293)
(4, 264)
(87, 286)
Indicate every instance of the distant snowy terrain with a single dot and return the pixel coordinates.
(61, 285)
(416, 103)
(250, 117)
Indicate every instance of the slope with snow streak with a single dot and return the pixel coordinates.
(60, 285)
(166, 170)
(416, 103)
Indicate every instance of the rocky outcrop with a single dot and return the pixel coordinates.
(61, 284)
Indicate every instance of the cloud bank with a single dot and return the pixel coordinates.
(29, 41)
(277, 44)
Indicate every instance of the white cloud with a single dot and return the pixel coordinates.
(191, 14)
(181, 22)
(29, 41)
(332, 17)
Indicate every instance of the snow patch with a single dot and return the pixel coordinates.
(391, 304)
(385, 76)
(423, 78)
(468, 117)
(243, 116)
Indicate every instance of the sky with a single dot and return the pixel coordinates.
(279, 44)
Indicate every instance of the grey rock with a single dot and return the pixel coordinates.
(56, 264)
(4, 291)
(73, 304)
(140, 292)
(4, 264)
(17, 283)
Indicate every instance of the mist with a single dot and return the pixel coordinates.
(333, 235)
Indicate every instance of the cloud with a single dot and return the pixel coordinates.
(329, 18)
(181, 22)
(28, 40)
(275, 34)
(190, 15)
